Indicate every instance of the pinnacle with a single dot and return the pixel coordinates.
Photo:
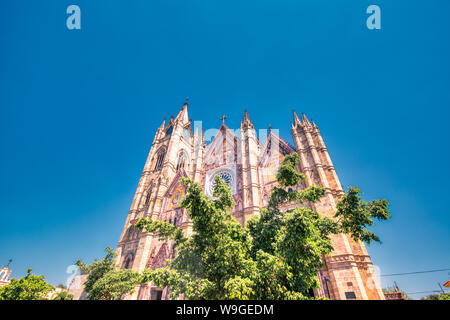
(296, 118)
(183, 114)
(246, 121)
(305, 120)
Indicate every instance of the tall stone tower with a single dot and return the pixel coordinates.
(349, 273)
(249, 168)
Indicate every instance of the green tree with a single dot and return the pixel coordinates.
(355, 215)
(30, 287)
(114, 284)
(61, 286)
(104, 282)
(275, 256)
(63, 295)
(97, 269)
(441, 296)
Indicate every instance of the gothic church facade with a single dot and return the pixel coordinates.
(249, 168)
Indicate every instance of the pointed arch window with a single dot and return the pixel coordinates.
(269, 145)
(160, 159)
(177, 197)
(147, 199)
(132, 233)
(181, 161)
(128, 263)
(186, 133)
(169, 131)
(149, 194)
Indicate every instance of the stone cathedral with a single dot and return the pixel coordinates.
(249, 168)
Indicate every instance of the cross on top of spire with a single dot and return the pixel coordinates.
(223, 119)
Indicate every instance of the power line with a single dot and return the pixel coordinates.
(404, 273)
(423, 292)
(414, 272)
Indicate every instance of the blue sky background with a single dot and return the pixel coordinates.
(79, 110)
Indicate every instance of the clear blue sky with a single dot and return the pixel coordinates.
(79, 110)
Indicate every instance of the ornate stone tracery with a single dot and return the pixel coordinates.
(160, 259)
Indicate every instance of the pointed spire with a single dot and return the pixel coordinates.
(183, 114)
(246, 121)
(305, 120)
(246, 117)
(296, 119)
(163, 124)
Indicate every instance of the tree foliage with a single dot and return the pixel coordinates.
(355, 215)
(97, 269)
(104, 282)
(63, 295)
(114, 284)
(441, 296)
(29, 287)
(276, 255)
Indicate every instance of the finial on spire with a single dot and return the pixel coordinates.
(223, 119)
(186, 100)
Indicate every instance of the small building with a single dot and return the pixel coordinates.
(396, 295)
(5, 273)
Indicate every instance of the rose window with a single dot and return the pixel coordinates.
(226, 176)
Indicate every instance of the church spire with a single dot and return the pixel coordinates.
(183, 114)
(296, 119)
(246, 121)
(163, 124)
(305, 120)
